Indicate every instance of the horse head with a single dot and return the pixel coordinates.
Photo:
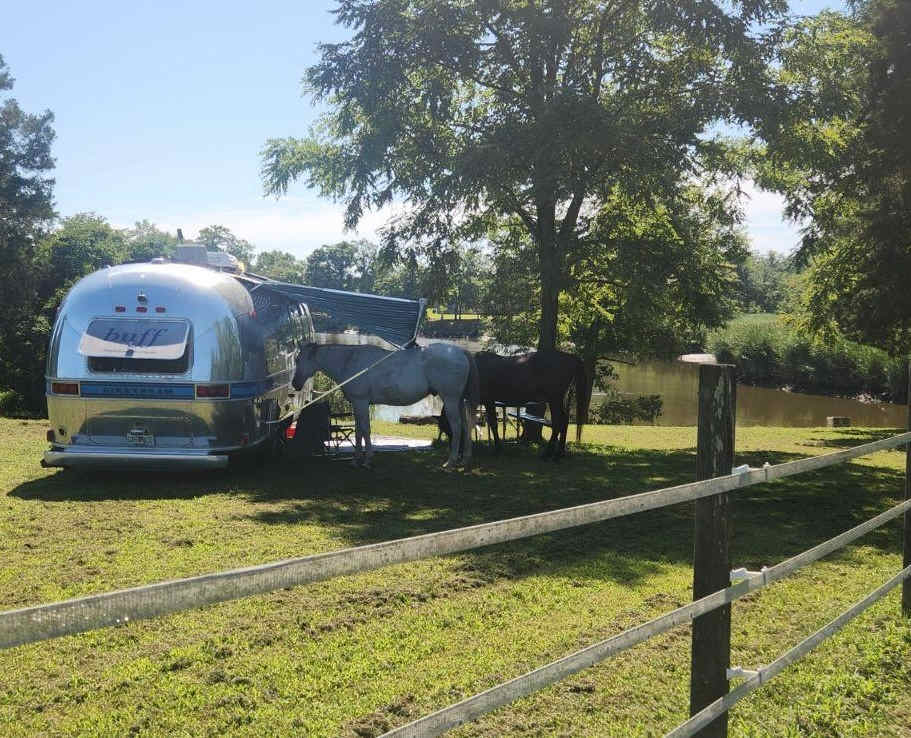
(305, 365)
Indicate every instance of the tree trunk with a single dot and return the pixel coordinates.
(550, 276)
(550, 292)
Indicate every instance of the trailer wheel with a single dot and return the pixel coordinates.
(274, 447)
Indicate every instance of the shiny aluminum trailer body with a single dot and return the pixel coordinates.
(228, 390)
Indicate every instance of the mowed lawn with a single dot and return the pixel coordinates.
(357, 655)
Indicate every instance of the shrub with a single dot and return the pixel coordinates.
(337, 403)
(11, 402)
(623, 410)
(770, 353)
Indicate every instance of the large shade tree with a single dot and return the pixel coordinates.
(470, 112)
(839, 151)
(648, 281)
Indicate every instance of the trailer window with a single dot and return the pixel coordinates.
(137, 346)
(141, 366)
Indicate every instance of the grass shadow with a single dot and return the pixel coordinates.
(852, 437)
(95, 485)
(407, 494)
(771, 521)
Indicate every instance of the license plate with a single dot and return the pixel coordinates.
(140, 437)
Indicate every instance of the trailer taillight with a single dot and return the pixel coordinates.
(159, 309)
(65, 388)
(212, 390)
(120, 308)
(141, 309)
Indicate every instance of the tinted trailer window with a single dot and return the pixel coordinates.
(136, 345)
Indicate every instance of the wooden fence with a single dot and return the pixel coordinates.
(710, 698)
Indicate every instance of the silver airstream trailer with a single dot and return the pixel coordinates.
(171, 365)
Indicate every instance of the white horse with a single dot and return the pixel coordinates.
(403, 378)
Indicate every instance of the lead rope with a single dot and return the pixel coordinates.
(351, 378)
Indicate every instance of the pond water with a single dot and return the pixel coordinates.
(677, 382)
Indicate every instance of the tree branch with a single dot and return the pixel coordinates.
(572, 215)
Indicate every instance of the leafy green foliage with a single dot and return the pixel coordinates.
(219, 237)
(26, 212)
(764, 283)
(146, 242)
(282, 266)
(770, 352)
(652, 276)
(346, 265)
(619, 410)
(838, 150)
(472, 112)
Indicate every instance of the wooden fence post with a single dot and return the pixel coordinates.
(906, 585)
(711, 649)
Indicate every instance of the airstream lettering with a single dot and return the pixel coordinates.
(171, 365)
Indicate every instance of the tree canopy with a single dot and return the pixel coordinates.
(346, 265)
(26, 212)
(840, 153)
(536, 112)
(650, 279)
(282, 266)
(219, 237)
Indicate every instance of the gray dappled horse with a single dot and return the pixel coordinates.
(404, 378)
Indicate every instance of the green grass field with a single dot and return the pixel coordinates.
(357, 655)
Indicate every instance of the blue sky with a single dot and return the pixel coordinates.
(161, 110)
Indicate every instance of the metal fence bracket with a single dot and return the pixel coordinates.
(738, 672)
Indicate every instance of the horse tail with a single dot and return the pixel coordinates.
(472, 391)
(583, 398)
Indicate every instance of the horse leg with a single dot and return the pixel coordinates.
(556, 422)
(452, 407)
(358, 434)
(559, 423)
(362, 415)
(491, 411)
(565, 429)
(356, 447)
(467, 426)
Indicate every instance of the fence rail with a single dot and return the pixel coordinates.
(763, 675)
(474, 707)
(42, 622)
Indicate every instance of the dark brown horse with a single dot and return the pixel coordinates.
(539, 376)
